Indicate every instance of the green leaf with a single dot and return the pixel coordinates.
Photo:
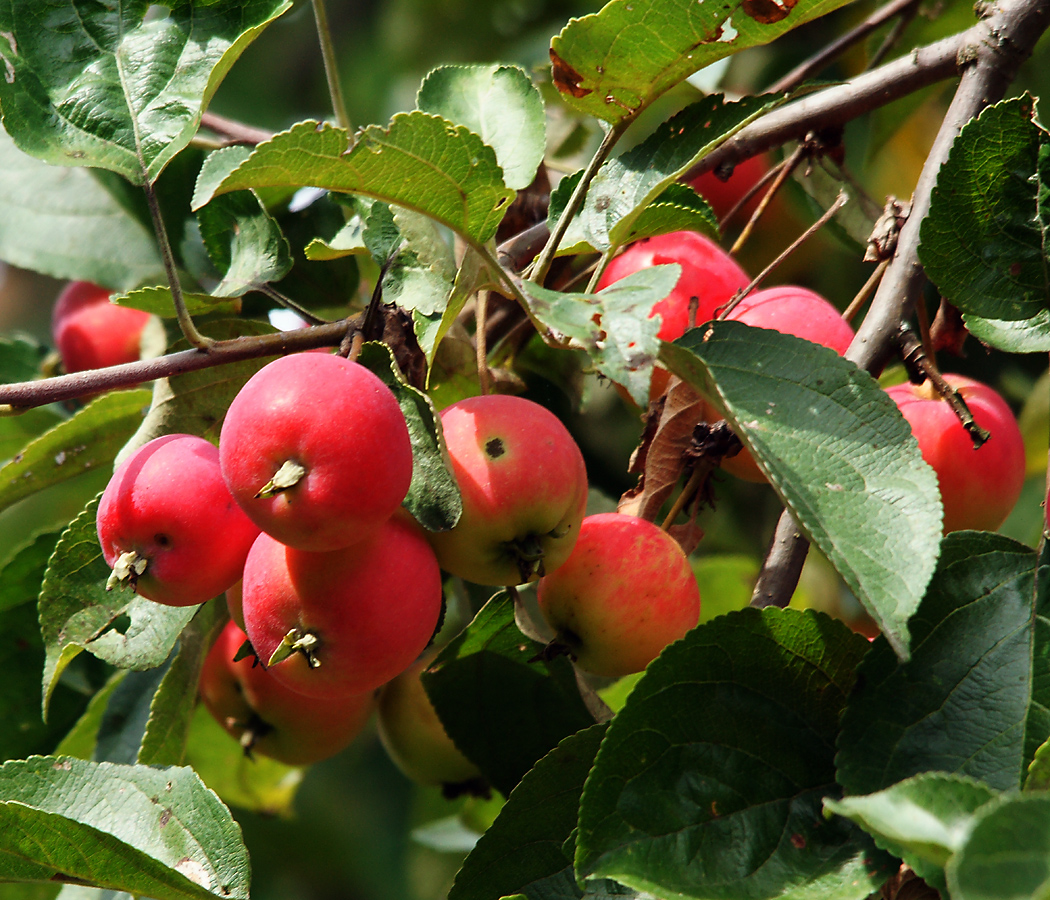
(63, 223)
(614, 63)
(21, 655)
(433, 495)
(1026, 336)
(82, 738)
(978, 634)
(1008, 854)
(1038, 777)
(89, 440)
(626, 185)
(837, 452)
(20, 359)
(110, 87)
(244, 242)
(527, 841)
(171, 710)
(421, 162)
(20, 577)
(923, 820)
(157, 300)
(500, 104)
(78, 613)
(503, 707)
(984, 241)
(156, 832)
(710, 781)
(258, 783)
(622, 342)
(216, 166)
(124, 720)
(678, 208)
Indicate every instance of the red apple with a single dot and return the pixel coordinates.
(92, 333)
(349, 619)
(316, 451)
(978, 487)
(724, 195)
(167, 525)
(623, 595)
(266, 717)
(524, 488)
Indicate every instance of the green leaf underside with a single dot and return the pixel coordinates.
(725, 801)
(498, 103)
(983, 243)
(503, 708)
(837, 452)
(153, 832)
(1038, 776)
(421, 162)
(1008, 854)
(625, 186)
(89, 440)
(76, 610)
(526, 843)
(977, 634)
(922, 820)
(1024, 336)
(157, 300)
(614, 63)
(623, 342)
(108, 87)
(678, 208)
(433, 495)
(63, 223)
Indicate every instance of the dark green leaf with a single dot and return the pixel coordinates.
(21, 655)
(835, 449)
(244, 243)
(711, 779)
(108, 86)
(983, 242)
(20, 578)
(124, 720)
(20, 359)
(1007, 856)
(613, 326)
(500, 104)
(62, 222)
(1026, 336)
(678, 208)
(501, 706)
(78, 613)
(380, 234)
(157, 300)
(923, 820)
(89, 440)
(421, 162)
(527, 841)
(614, 63)
(153, 832)
(82, 738)
(977, 635)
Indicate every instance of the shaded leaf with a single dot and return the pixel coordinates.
(837, 452)
(157, 832)
(421, 162)
(710, 781)
(110, 87)
(503, 707)
(157, 300)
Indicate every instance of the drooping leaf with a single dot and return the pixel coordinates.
(124, 720)
(157, 300)
(153, 832)
(710, 781)
(244, 243)
(983, 242)
(612, 64)
(614, 325)
(1007, 856)
(433, 495)
(837, 452)
(77, 612)
(499, 103)
(503, 707)
(923, 820)
(421, 162)
(980, 632)
(89, 440)
(110, 87)
(527, 842)
(63, 223)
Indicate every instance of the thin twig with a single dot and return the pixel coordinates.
(331, 69)
(289, 303)
(234, 132)
(480, 342)
(767, 177)
(786, 168)
(905, 19)
(862, 295)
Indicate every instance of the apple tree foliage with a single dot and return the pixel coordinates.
(771, 753)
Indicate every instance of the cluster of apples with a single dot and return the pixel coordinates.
(978, 488)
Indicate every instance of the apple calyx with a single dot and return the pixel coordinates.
(297, 641)
(126, 570)
(528, 555)
(244, 651)
(560, 645)
(254, 730)
(288, 476)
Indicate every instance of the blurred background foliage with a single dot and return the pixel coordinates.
(356, 827)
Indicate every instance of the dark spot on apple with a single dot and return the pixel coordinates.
(162, 540)
(494, 448)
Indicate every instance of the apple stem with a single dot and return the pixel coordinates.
(126, 570)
